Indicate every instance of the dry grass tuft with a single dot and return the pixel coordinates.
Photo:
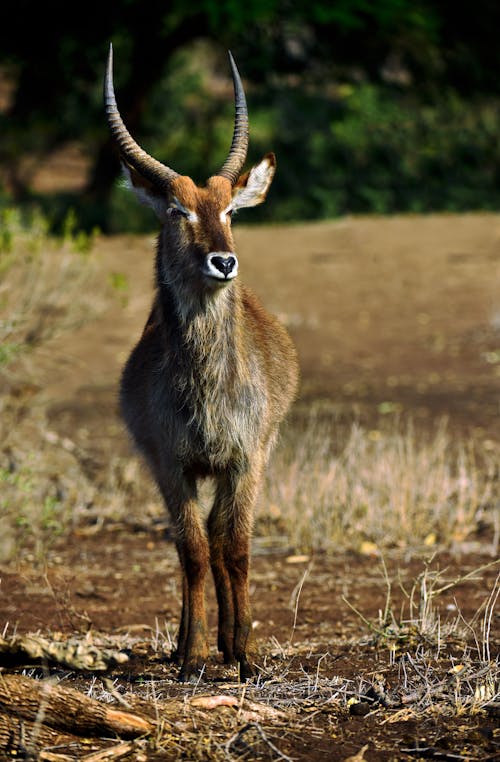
(47, 285)
(388, 487)
(446, 663)
(50, 486)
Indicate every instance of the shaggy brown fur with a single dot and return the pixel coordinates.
(202, 394)
(206, 387)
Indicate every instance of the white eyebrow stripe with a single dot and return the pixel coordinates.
(192, 216)
(223, 214)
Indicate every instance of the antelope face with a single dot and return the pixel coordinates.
(196, 243)
(200, 218)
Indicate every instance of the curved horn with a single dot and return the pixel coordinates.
(238, 151)
(151, 169)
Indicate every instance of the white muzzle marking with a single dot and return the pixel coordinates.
(221, 265)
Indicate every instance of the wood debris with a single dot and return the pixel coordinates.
(49, 714)
(75, 653)
(248, 711)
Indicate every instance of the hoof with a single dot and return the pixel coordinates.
(176, 657)
(225, 647)
(191, 673)
(247, 671)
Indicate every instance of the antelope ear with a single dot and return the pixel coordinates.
(145, 191)
(251, 188)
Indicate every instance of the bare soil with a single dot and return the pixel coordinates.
(397, 316)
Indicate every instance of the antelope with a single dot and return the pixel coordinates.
(211, 378)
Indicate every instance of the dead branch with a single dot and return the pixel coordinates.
(74, 653)
(113, 752)
(248, 711)
(22, 736)
(17, 734)
(40, 701)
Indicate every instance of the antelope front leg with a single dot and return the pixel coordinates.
(192, 547)
(237, 558)
(222, 581)
(229, 531)
(182, 635)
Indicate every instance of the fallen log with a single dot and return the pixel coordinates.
(18, 735)
(65, 709)
(21, 738)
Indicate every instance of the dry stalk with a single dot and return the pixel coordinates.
(295, 598)
(114, 752)
(238, 739)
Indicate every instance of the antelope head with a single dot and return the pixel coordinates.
(196, 243)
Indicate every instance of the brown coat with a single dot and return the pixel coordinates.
(207, 385)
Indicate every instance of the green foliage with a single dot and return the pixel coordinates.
(373, 150)
(366, 149)
(119, 282)
(8, 351)
(120, 285)
(370, 107)
(77, 240)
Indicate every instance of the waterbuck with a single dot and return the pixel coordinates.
(206, 387)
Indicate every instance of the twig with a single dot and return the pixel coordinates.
(363, 618)
(488, 616)
(255, 726)
(271, 745)
(458, 580)
(110, 687)
(200, 678)
(296, 594)
(433, 753)
(114, 752)
(387, 607)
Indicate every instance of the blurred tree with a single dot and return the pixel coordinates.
(55, 59)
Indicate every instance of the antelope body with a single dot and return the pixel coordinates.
(206, 387)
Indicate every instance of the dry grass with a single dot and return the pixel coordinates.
(392, 486)
(439, 663)
(47, 489)
(47, 285)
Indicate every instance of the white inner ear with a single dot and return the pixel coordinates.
(254, 192)
(145, 197)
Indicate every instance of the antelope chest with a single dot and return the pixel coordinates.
(225, 424)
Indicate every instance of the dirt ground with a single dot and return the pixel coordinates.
(389, 316)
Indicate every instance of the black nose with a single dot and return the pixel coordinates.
(225, 265)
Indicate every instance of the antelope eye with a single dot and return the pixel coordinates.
(174, 211)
